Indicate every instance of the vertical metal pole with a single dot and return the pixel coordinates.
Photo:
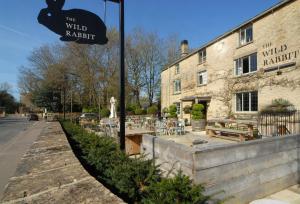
(71, 105)
(64, 103)
(122, 78)
(99, 108)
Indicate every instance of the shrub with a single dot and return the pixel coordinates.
(131, 107)
(139, 111)
(135, 180)
(178, 189)
(86, 110)
(152, 110)
(104, 112)
(128, 176)
(197, 112)
(90, 110)
(172, 111)
(279, 106)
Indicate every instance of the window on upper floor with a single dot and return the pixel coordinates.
(246, 64)
(177, 86)
(177, 69)
(202, 78)
(247, 101)
(202, 56)
(246, 35)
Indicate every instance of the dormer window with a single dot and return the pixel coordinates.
(246, 35)
(202, 56)
(177, 69)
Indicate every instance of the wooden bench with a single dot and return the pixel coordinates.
(231, 133)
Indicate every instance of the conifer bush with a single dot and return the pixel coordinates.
(136, 180)
(178, 190)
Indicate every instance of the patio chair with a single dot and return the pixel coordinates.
(160, 128)
(179, 127)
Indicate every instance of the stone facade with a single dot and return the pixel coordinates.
(276, 42)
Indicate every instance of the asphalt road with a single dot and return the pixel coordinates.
(15, 138)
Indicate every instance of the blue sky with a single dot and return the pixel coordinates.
(198, 21)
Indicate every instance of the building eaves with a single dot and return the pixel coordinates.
(255, 18)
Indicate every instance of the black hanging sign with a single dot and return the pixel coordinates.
(76, 25)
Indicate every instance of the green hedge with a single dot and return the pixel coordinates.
(136, 180)
(152, 110)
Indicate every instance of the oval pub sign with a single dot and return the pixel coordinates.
(76, 25)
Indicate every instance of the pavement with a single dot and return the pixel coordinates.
(15, 139)
(190, 136)
(49, 172)
(287, 196)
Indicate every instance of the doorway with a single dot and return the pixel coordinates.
(205, 104)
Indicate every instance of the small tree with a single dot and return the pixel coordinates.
(104, 112)
(152, 110)
(197, 112)
(172, 111)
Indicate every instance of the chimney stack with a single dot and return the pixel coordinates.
(184, 48)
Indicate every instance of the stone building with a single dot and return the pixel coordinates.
(242, 70)
(2, 111)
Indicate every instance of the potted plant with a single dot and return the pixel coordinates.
(198, 121)
(172, 111)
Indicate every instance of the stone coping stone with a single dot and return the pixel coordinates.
(47, 150)
(31, 165)
(35, 183)
(87, 191)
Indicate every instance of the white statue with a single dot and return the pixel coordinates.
(113, 113)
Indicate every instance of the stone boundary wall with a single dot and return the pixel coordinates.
(240, 172)
(50, 173)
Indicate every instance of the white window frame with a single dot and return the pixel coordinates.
(178, 108)
(244, 40)
(177, 85)
(202, 56)
(177, 69)
(242, 104)
(238, 69)
(204, 77)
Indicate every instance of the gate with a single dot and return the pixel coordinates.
(279, 124)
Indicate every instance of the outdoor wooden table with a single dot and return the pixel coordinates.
(250, 123)
(134, 138)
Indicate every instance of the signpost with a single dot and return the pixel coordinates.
(76, 25)
(84, 27)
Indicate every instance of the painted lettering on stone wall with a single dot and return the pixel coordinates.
(275, 54)
(76, 25)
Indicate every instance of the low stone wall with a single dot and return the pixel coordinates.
(50, 173)
(241, 172)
